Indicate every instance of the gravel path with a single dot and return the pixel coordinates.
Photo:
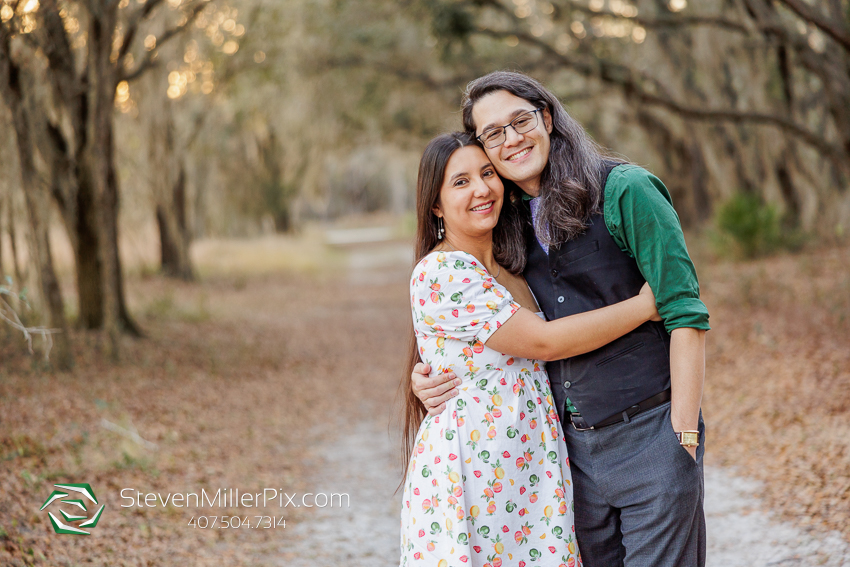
(740, 534)
(361, 462)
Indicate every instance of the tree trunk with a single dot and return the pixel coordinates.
(76, 197)
(37, 203)
(20, 274)
(89, 255)
(2, 205)
(87, 259)
(173, 232)
(168, 184)
(97, 168)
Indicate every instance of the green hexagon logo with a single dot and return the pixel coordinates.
(65, 495)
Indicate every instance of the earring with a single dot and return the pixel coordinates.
(440, 229)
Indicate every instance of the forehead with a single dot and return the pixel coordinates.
(469, 159)
(497, 109)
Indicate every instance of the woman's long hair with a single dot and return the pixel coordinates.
(571, 183)
(508, 250)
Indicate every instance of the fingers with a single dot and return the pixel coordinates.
(422, 368)
(437, 410)
(423, 382)
(433, 391)
(435, 405)
(440, 393)
(419, 378)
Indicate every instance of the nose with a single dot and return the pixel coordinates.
(512, 137)
(480, 188)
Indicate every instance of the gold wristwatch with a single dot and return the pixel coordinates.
(688, 438)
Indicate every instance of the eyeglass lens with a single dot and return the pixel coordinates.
(521, 124)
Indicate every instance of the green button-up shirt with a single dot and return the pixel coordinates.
(640, 217)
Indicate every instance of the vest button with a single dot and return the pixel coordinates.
(554, 273)
(567, 383)
(560, 299)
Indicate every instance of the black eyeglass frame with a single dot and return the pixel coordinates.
(504, 128)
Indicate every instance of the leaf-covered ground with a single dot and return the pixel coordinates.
(241, 376)
(777, 396)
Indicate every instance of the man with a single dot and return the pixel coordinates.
(630, 410)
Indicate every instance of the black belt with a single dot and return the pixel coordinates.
(581, 425)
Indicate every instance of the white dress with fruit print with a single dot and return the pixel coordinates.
(489, 481)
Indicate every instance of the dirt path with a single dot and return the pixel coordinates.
(360, 462)
(741, 533)
(261, 376)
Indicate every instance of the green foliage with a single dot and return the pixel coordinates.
(749, 228)
(451, 20)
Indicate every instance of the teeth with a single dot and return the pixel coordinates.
(482, 207)
(518, 155)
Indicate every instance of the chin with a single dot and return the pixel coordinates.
(482, 229)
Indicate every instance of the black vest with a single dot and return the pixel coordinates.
(586, 273)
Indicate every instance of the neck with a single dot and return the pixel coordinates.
(530, 187)
(480, 247)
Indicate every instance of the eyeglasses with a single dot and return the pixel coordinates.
(495, 137)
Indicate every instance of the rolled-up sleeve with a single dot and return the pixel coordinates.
(640, 217)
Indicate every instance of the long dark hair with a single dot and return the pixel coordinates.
(508, 250)
(571, 183)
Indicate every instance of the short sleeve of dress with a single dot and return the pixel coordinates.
(453, 296)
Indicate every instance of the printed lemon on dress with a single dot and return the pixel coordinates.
(489, 480)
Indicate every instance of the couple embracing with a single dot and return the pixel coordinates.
(554, 418)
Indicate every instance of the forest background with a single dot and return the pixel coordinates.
(188, 189)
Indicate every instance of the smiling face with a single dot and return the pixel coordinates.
(522, 157)
(470, 196)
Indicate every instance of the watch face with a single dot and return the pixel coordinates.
(690, 438)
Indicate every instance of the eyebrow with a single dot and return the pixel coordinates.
(513, 115)
(462, 173)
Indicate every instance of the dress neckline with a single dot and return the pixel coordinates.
(481, 265)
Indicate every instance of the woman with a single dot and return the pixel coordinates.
(488, 481)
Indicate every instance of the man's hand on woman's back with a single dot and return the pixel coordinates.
(434, 391)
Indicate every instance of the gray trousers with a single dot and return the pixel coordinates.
(638, 494)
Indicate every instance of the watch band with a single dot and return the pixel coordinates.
(688, 438)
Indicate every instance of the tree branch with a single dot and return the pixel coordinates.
(624, 78)
(149, 60)
(663, 21)
(400, 71)
(823, 23)
(10, 316)
(9, 71)
(58, 51)
(133, 23)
